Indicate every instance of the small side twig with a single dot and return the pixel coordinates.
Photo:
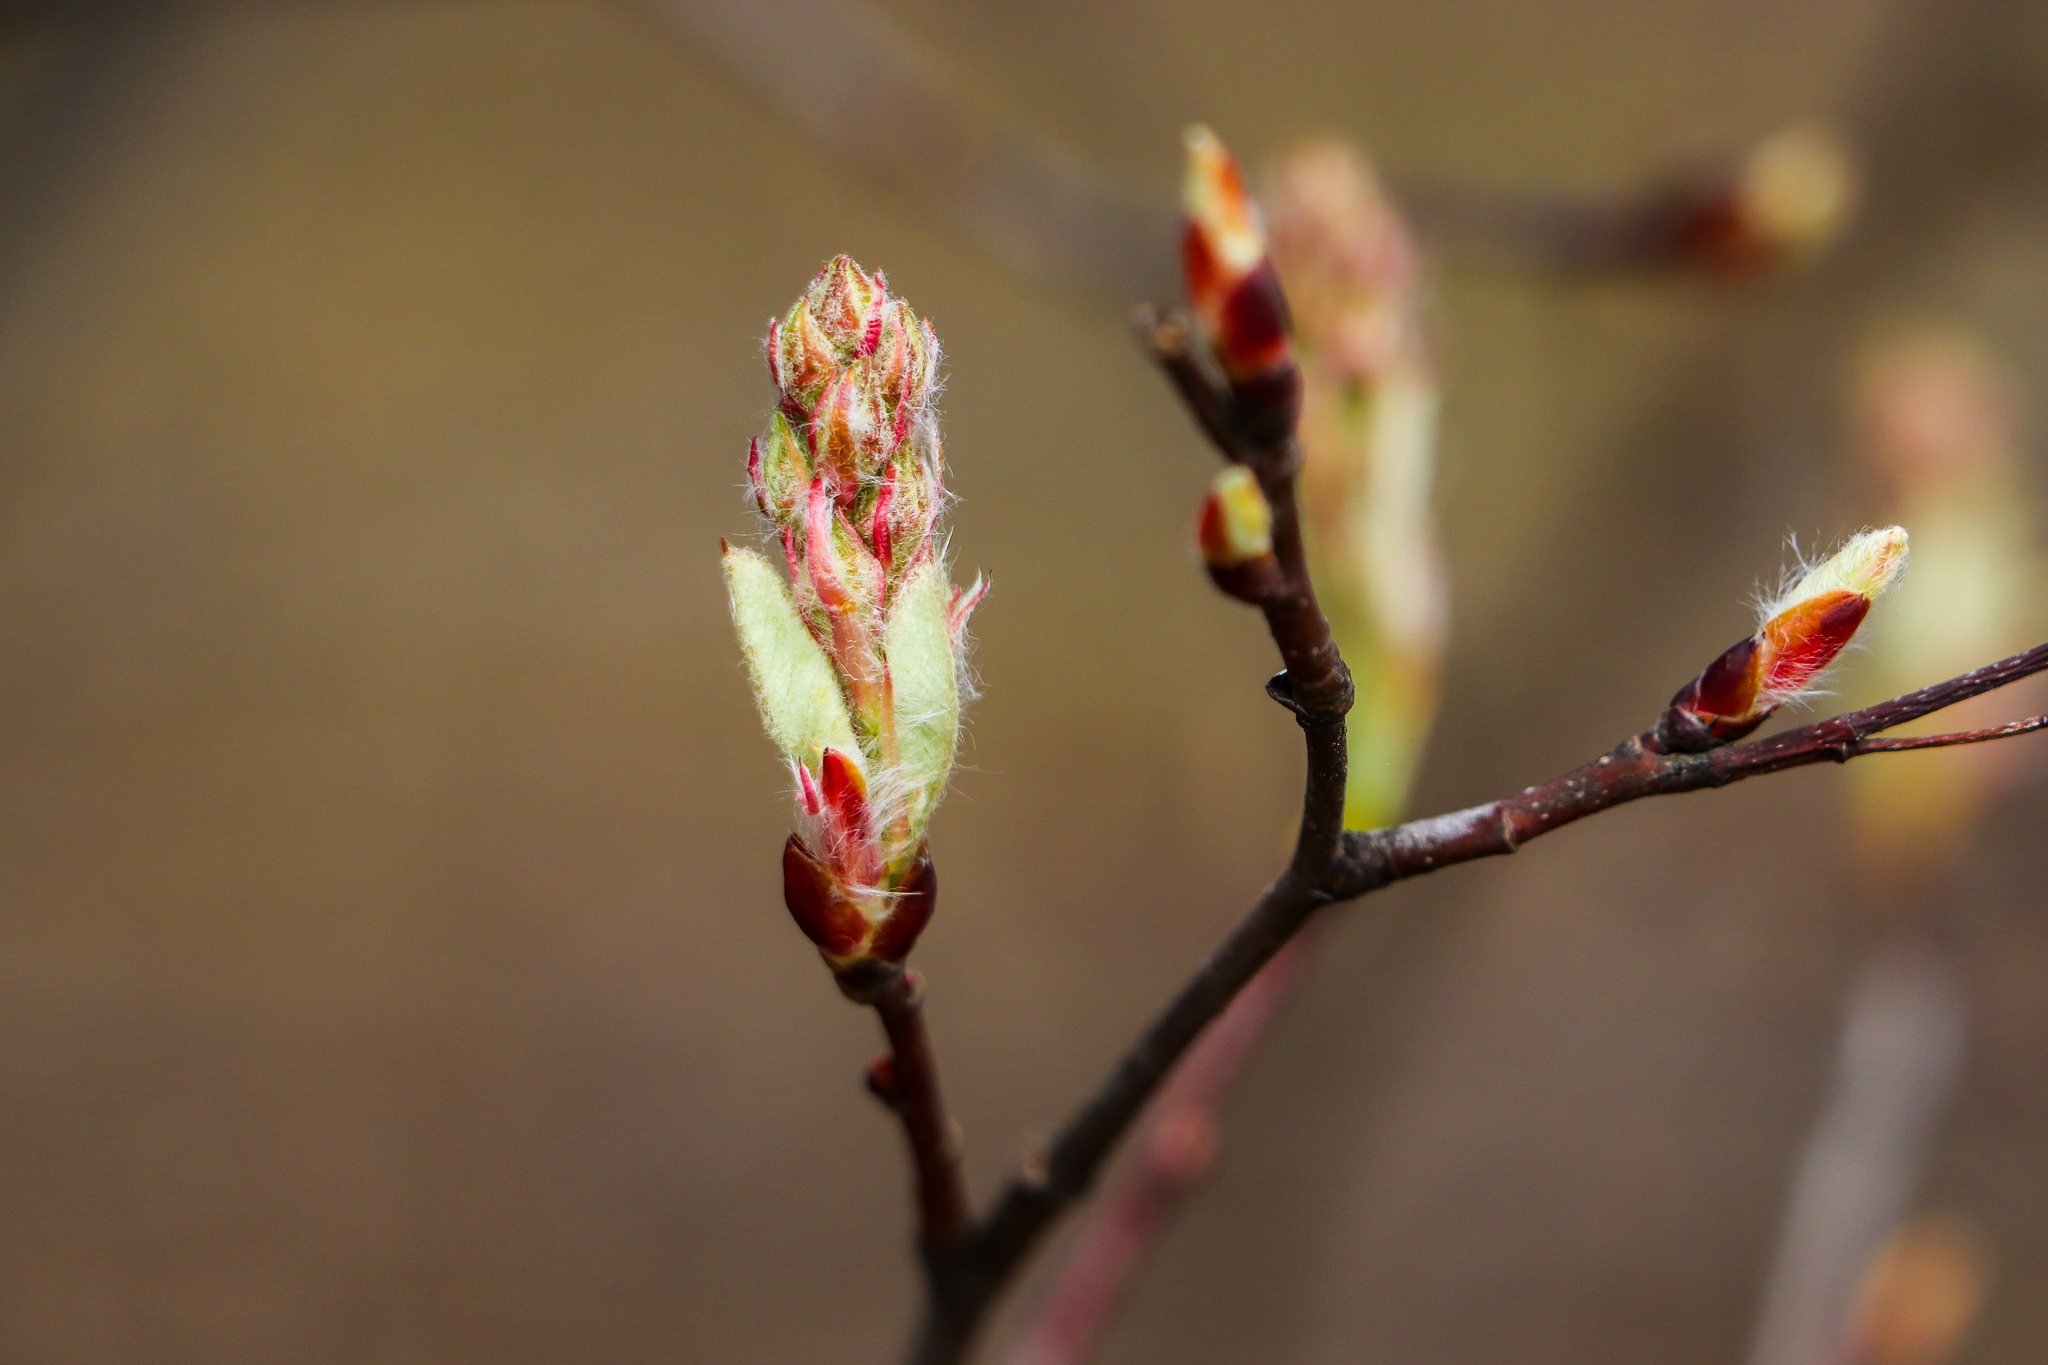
(1953, 738)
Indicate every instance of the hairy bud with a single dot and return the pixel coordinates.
(847, 301)
(800, 359)
(779, 471)
(1803, 631)
(858, 661)
(851, 429)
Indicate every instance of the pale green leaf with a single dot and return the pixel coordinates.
(922, 677)
(799, 694)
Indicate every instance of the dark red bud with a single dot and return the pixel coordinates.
(1729, 685)
(1716, 708)
(914, 904)
(1255, 324)
(827, 917)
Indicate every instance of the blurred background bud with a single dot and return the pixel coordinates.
(1235, 533)
(1368, 435)
(1936, 425)
(1922, 1294)
(1784, 203)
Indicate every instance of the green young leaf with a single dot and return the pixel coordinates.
(922, 676)
(793, 680)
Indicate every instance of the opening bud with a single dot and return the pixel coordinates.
(1804, 629)
(1237, 521)
(1235, 532)
(859, 659)
(1229, 278)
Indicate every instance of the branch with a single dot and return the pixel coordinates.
(1253, 426)
(1635, 769)
(1330, 865)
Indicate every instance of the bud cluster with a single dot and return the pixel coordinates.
(1803, 630)
(858, 661)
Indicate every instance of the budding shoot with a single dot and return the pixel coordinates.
(859, 660)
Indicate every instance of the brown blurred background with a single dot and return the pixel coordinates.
(391, 962)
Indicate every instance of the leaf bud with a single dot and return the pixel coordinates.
(1785, 202)
(1229, 278)
(859, 659)
(1235, 532)
(1804, 629)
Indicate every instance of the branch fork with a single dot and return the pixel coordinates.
(1330, 865)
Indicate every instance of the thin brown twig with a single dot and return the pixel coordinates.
(1331, 865)
(1954, 737)
(909, 1084)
